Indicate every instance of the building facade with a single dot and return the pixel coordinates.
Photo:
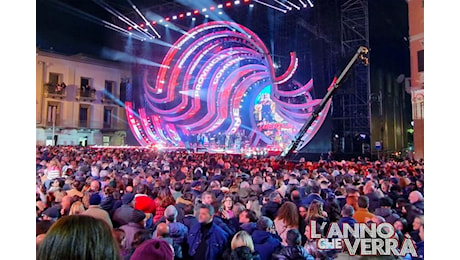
(79, 100)
(416, 37)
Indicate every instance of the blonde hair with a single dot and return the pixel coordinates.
(77, 208)
(242, 238)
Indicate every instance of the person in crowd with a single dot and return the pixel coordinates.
(163, 200)
(177, 190)
(50, 214)
(77, 208)
(52, 172)
(95, 211)
(386, 211)
(247, 220)
(216, 190)
(135, 224)
(196, 189)
(123, 214)
(287, 219)
(189, 218)
(374, 197)
(315, 192)
(415, 233)
(362, 214)
(352, 197)
(293, 249)
(415, 206)
(227, 207)
(66, 203)
(347, 216)
(207, 198)
(120, 235)
(241, 248)
(332, 208)
(265, 239)
(206, 239)
(177, 232)
(253, 204)
(79, 237)
(270, 209)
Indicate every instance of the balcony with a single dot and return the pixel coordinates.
(56, 91)
(86, 93)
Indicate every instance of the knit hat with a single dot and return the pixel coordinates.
(127, 198)
(95, 199)
(144, 203)
(153, 249)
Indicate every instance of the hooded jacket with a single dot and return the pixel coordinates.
(265, 243)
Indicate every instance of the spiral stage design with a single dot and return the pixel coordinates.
(219, 79)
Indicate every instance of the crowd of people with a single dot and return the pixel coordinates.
(137, 203)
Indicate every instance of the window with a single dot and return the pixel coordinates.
(52, 114)
(105, 140)
(420, 60)
(86, 88)
(83, 116)
(55, 78)
(109, 92)
(107, 117)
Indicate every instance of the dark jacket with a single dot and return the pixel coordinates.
(178, 232)
(216, 240)
(388, 214)
(349, 220)
(249, 227)
(270, 209)
(414, 210)
(374, 201)
(265, 243)
(189, 221)
(107, 203)
(310, 198)
(293, 253)
(240, 253)
(218, 194)
(224, 226)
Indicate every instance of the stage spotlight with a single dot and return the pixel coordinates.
(141, 25)
(193, 18)
(167, 19)
(246, 1)
(220, 13)
(161, 20)
(130, 28)
(212, 8)
(206, 16)
(175, 17)
(189, 13)
(237, 2)
(154, 22)
(196, 12)
(228, 4)
(204, 10)
(220, 6)
(251, 5)
(181, 16)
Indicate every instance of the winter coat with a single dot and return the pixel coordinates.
(293, 253)
(266, 243)
(270, 209)
(216, 240)
(388, 214)
(178, 232)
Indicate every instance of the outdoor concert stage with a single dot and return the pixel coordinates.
(217, 89)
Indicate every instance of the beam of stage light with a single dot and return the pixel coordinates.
(310, 3)
(295, 6)
(303, 3)
(121, 17)
(271, 6)
(124, 57)
(285, 6)
(143, 18)
(93, 19)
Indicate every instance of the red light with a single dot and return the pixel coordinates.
(154, 22)
(167, 19)
(196, 12)
(181, 16)
(130, 28)
(228, 4)
(212, 8)
(141, 25)
(246, 1)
